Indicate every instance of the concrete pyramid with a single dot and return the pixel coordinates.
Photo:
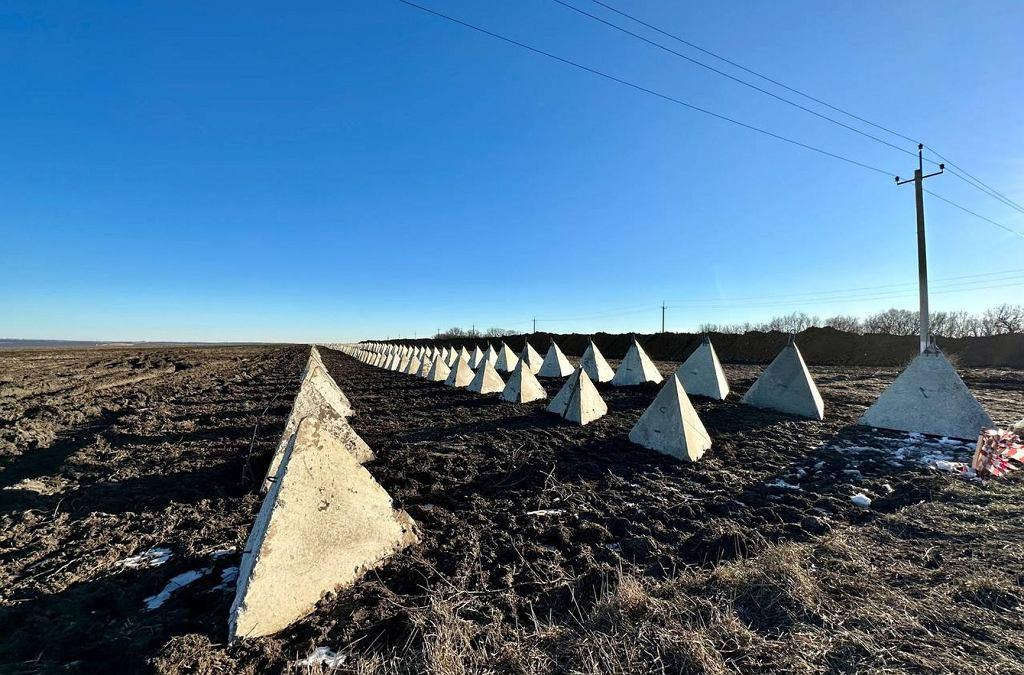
(319, 379)
(555, 363)
(321, 526)
(461, 374)
(425, 367)
(671, 426)
(702, 374)
(392, 362)
(476, 358)
(523, 386)
(313, 403)
(453, 355)
(532, 358)
(439, 371)
(490, 355)
(787, 386)
(402, 364)
(486, 380)
(412, 367)
(507, 359)
(464, 353)
(636, 368)
(929, 398)
(595, 365)
(578, 400)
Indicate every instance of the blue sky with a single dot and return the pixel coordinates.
(352, 169)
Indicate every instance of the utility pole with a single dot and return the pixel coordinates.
(534, 324)
(922, 255)
(662, 316)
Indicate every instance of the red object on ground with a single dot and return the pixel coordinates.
(996, 451)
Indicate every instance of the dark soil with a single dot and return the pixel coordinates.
(545, 547)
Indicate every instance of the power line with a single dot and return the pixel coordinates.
(967, 177)
(711, 68)
(646, 90)
(976, 215)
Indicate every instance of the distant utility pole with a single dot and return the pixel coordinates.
(534, 324)
(922, 256)
(662, 316)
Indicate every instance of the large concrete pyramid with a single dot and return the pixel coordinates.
(486, 380)
(425, 367)
(318, 378)
(461, 374)
(312, 403)
(578, 400)
(321, 526)
(507, 359)
(413, 366)
(490, 355)
(555, 363)
(593, 362)
(787, 386)
(929, 398)
(476, 357)
(463, 353)
(403, 364)
(702, 374)
(671, 426)
(523, 386)
(439, 371)
(636, 368)
(532, 358)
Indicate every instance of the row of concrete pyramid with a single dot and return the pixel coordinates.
(670, 424)
(324, 520)
(928, 396)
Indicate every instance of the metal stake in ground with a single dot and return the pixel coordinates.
(922, 256)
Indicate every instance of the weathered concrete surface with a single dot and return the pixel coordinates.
(595, 365)
(578, 400)
(486, 380)
(523, 386)
(636, 368)
(425, 367)
(461, 374)
(532, 357)
(787, 386)
(671, 426)
(412, 367)
(507, 359)
(476, 357)
(439, 371)
(930, 398)
(555, 363)
(323, 524)
(490, 354)
(318, 378)
(701, 373)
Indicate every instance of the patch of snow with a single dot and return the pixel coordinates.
(888, 488)
(154, 557)
(175, 584)
(546, 512)
(216, 555)
(323, 656)
(783, 485)
(228, 577)
(861, 499)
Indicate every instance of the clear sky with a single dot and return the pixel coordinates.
(349, 169)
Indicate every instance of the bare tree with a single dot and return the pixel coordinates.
(1004, 319)
(850, 324)
(892, 322)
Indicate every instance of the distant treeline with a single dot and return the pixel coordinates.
(1001, 320)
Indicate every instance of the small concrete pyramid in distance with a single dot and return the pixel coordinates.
(490, 355)
(461, 374)
(507, 359)
(486, 380)
(787, 386)
(929, 398)
(595, 365)
(636, 368)
(532, 357)
(464, 353)
(671, 426)
(476, 358)
(578, 400)
(439, 371)
(523, 386)
(555, 363)
(425, 367)
(324, 522)
(412, 367)
(701, 373)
